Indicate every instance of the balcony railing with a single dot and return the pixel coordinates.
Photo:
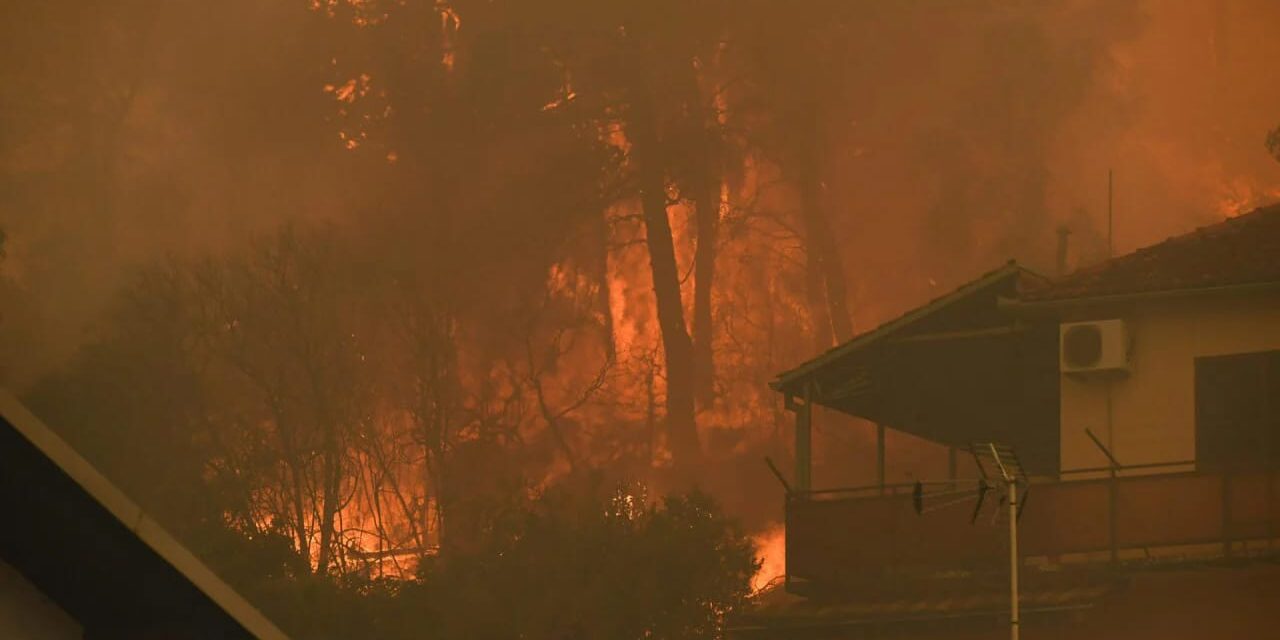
(843, 537)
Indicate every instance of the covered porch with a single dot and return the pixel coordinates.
(959, 370)
(954, 371)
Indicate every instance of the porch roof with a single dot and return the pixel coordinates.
(955, 370)
(1011, 273)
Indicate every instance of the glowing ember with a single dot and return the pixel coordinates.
(1242, 196)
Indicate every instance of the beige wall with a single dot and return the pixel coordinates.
(27, 614)
(1152, 409)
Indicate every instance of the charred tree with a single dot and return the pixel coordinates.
(697, 159)
(815, 291)
(706, 199)
(826, 269)
(828, 297)
(331, 500)
(428, 333)
(681, 425)
(604, 292)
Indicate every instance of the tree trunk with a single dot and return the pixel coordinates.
(331, 475)
(827, 288)
(707, 212)
(815, 273)
(604, 294)
(682, 431)
(703, 181)
(332, 450)
(293, 463)
(830, 265)
(431, 337)
(331, 468)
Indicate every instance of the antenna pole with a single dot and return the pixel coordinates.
(1013, 557)
(1110, 214)
(1004, 461)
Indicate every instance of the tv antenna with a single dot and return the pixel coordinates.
(998, 466)
(1110, 213)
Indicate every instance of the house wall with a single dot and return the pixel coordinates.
(1148, 415)
(27, 614)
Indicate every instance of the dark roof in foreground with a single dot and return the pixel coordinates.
(91, 549)
(1239, 251)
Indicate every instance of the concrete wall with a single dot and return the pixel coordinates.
(1148, 416)
(27, 614)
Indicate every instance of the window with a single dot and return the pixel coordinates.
(1238, 411)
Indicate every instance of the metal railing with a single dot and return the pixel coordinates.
(838, 534)
(903, 488)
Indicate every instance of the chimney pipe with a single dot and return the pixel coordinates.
(1064, 233)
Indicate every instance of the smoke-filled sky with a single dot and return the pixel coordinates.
(962, 134)
(980, 132)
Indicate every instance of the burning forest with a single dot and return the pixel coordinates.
(458, 318)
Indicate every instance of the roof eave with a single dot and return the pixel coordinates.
(1041, 307)
(786, 380)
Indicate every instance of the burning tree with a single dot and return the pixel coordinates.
(518, 311)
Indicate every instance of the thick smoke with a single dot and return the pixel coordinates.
(962, 134)
(135, 131)
(974, 134)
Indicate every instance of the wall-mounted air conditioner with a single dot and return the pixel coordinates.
(1094, 346)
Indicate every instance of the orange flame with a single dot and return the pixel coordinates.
(771, 553)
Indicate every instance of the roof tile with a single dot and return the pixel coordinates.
(1238, 251)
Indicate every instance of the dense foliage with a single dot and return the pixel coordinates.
(579, 562)
(259, 407)
(576, 561)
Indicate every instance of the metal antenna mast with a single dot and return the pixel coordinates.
(1110, 214)
(997, 464)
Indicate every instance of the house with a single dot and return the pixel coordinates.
(1201, 350)
(1142, 398)
(78, 559)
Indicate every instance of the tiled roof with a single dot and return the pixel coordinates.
(1244, 250)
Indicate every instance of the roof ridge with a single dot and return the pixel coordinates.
(1232, 250)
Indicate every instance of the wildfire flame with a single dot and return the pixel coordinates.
(1242, 196)
(771, 552)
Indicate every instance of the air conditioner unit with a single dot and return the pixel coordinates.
(1094, 346)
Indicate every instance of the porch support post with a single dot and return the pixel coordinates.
(952, 467)
(1113, 516)
(880, 457)
(804, 443)
(1226, 514)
